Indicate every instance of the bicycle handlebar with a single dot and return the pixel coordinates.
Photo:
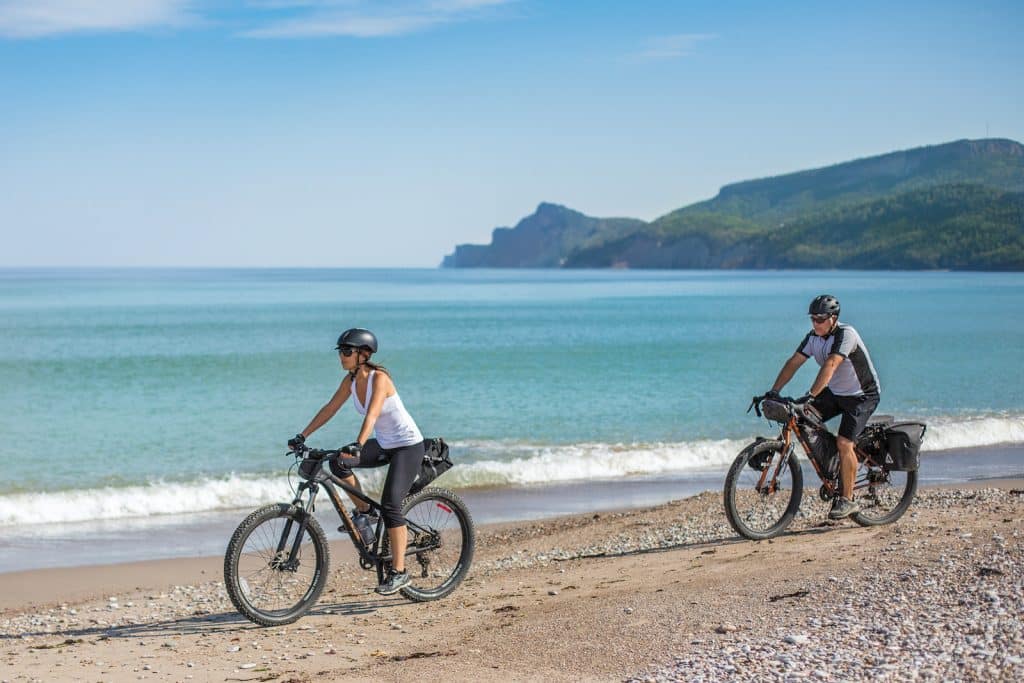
(794, 408)
(755, 402)
(316, 453)
(790, 402)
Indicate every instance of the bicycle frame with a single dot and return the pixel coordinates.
(830, 485)
(368, 554)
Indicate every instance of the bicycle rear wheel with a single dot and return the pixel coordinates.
(759, 502)
(265, 583)
(883, 495)
(442, 540)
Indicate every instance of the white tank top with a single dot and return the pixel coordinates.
(394, 427)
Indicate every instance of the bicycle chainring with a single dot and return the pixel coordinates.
(825, 493)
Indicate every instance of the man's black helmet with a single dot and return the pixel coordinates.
(359, 338)
(825, 303)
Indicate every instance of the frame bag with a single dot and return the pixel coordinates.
(435, 463)
(903, 446)
(824, 450)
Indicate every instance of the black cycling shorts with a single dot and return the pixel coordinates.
(405, 465)
(856, 411)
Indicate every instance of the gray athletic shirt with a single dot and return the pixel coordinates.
(855, 376)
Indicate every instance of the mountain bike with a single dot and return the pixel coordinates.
(277, 561)
(764, 486)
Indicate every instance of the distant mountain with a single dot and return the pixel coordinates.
(957, 205)
(541, 240)
(994, 163)
(963, 227)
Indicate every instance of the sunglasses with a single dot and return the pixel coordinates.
(821, 317)
(346, 350)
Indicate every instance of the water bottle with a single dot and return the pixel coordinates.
(363, 526)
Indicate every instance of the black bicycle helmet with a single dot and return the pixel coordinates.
(359, 338)
(825, 303)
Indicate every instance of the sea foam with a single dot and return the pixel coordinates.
(478, 463)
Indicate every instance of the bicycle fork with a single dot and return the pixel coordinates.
(291, 563)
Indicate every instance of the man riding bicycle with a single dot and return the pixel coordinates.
(846, 385)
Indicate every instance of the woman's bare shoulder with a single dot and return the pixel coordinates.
(382, 382)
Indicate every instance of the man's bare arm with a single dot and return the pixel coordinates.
(788, 370)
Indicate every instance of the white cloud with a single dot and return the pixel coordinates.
(264, 18)
(672, 47)
(365, 19)
(36, 18)
(361, 26)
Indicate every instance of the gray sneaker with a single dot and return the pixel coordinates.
(394, 582)
(842, 507)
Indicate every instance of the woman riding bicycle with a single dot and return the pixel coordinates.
(398, 440)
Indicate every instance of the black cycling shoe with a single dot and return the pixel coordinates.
(842, 507)
(395, 582)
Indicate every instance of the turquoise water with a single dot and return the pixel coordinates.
(137, 392)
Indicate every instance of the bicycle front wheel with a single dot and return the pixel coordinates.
(273, 572)
(442, 540)
(883, 495)
(762, 490)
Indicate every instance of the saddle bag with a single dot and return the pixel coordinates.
(903, 446)
(435, 463)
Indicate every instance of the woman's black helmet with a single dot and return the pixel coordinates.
(825, 303)
(359, 338)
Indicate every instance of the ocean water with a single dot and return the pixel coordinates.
(140, 393)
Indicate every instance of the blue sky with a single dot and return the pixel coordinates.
(359, 133)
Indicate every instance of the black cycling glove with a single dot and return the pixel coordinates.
(772, 394)
(352, 450)
(296, 441)
(806, 398)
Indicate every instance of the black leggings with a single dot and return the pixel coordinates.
(405, 465)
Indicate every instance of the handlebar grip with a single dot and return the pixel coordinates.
(319, 454)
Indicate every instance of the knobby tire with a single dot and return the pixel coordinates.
(264, 527)
(739, 483)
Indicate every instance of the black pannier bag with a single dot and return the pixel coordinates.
(435, 463)
(903, 446)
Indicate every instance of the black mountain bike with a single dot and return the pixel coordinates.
(765, 483)
(277, 561)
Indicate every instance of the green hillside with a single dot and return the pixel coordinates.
(960, 227)
(956, 205)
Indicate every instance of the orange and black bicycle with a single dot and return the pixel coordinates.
(765, 484)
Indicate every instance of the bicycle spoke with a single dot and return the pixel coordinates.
(270, 583)
(435, 527)
(762, 491)
(884, 495)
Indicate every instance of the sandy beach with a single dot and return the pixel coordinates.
(654, 594)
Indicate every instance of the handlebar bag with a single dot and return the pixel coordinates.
(775, 411)
(903, 446)
(435, 463)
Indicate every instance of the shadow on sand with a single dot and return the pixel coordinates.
(198, 624)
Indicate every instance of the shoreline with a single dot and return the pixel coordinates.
(34, 588)
(665, 593)
(135, 540)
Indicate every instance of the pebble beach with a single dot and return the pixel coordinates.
(665, 593)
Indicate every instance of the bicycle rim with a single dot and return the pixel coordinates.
(883, 495)
(761, 501)
(266, 584)
(442, 541)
